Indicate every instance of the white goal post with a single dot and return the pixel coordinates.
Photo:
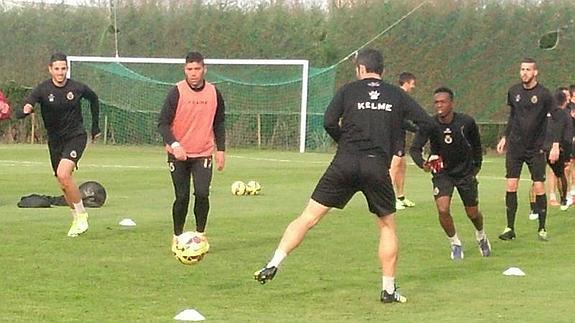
(278, 62)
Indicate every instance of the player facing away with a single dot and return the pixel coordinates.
(60, 105)
(364, 118)
(192, 125)
(461, 152)
(398, 167)
(530, 105)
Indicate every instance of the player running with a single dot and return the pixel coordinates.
(531, 105)
(60, 104)
(364, 118)
(461, 153)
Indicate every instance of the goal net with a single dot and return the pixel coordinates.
(273, 104)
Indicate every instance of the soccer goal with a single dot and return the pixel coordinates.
(266, 99)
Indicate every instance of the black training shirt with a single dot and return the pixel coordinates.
(527, 123)
(366, 117)
(561, 121)
(61, 108)
(460, 146)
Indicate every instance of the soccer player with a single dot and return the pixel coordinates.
(461, 153)
(192, 125)
(364, 118)
(563, 125)
(559, 170)
(398, 167)
(530, 105)
(571, 173)
(60, 105)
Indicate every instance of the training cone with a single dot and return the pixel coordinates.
(513, 271)
(189, 315)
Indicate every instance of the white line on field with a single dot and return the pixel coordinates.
(280, 160)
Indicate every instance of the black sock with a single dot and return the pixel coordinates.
(563, 189)
(532, 205)
(511, 204)
(541, 208)
(401, 198)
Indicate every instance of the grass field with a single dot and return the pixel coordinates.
(118, 275)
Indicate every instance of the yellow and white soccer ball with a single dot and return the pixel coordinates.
(253, 188)
(192, 248)
(238, 188)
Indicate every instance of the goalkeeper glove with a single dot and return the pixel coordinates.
(434, 163)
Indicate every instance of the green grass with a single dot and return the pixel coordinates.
(117, 275)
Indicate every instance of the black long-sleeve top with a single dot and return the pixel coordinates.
(460, 146)
(366, 117)
(61, 108)
(561, 121)
(528, 126)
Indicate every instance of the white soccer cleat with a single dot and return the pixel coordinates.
(399, 205)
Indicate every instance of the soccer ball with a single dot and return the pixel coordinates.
(191, 248)
(253, 188)
(238, 188)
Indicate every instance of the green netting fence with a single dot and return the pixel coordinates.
(263, 102)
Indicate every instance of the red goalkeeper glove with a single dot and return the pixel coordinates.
(434, 163)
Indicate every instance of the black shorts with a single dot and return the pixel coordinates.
(198, 170)
(443, 185)
(514, 160)
(71, 149)
(558, 167)
(348, 174)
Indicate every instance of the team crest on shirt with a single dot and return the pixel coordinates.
(70, 96)
(517, 98)
(51, 97)
(447, 136)
(534, 99)
(373, 95)
(73, 154)
(373, 84)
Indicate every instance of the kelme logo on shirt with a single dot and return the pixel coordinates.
(373, 95)
(70, 96)
(517, 98)
(51, 97)
(374, 106)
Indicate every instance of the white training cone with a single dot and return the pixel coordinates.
(189, 315)
(128, 223)
(513, 271)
